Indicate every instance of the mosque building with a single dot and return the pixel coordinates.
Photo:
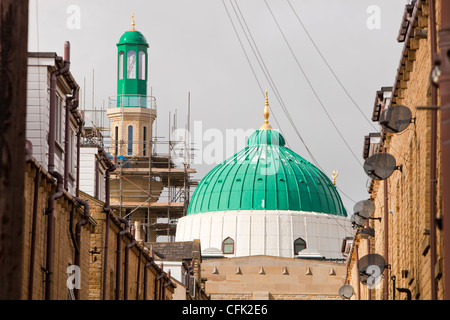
(271, 224)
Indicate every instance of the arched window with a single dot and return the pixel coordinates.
(116, 140)
(130, 140)
(228, 246)
(121, 57)
(131, 64)
(144, 138)
(142, 65)
(299, 245)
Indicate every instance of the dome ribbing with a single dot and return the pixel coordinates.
(266, 175)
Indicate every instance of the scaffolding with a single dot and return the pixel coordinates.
(153, 186)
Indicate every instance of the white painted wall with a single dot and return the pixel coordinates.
(38, 111)
(87, 169)
(267, 232)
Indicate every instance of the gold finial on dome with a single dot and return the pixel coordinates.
(334, 176)
(266, 125)
(132, 23)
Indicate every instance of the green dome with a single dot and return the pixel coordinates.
(266, 175)
(132, 37)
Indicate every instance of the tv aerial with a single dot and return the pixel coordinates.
(370, 268)
(380, 166)
(396, 119)
(346, 291)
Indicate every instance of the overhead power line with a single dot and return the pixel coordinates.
(311, 86)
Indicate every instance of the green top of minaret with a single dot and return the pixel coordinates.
(132, 36)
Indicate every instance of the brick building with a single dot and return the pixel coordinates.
(408, 203)
(70, 234)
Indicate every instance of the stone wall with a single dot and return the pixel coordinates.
(272, 278)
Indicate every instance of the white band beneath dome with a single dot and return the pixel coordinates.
(267, 232)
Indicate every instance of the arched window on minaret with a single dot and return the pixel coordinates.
(116, 140)
(121, 57)
(131, 64)
(144, 139)
(130, 140)
(141, 65)
(299, 245)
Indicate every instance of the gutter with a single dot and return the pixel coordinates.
(51, 169)
(33, 233)
(78, 234)
(107, 210)
(71, 105)
(119, 254)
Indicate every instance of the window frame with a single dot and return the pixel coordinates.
(130, 73)
(224, 243)
(142, 65)
(298, 244)
(130, 140)
(121, 65)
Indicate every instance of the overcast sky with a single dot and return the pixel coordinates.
(193, 48)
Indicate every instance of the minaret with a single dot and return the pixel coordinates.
(131, 112)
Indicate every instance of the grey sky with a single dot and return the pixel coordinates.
(193, 48)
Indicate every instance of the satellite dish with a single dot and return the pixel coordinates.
(367, 233)
(364, 208)
(395, 119)
(357, 220)
(371, 268)
(380, 166)
(346, 291)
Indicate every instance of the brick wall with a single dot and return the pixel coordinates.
(91, 247)
(139, 256)
(64, 249)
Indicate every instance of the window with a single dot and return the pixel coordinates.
(72, 144)
(299, 245)
(116, 141)
(144, 138)
(121, 57)
(130, 140)
(142, 65)
(58, 115)
(131, 64)
(228, 246)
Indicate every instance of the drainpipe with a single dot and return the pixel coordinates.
(71, 105)
(51, 169)
(119, 254)
(127, 258)
(386, 237)
(158, 286)
(52, 120)
(433, 154)
(50, 212)
(78, 234)
(138, 274)
(148, 264)
(80, 129)
(107, 210)
(444, 91)
(33, 233)
(407, 291)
